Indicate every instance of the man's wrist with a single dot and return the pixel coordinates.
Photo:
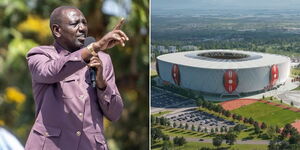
(91, 49)
(101, 85)
(96, 47)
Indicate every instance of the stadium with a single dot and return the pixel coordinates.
(224, 72)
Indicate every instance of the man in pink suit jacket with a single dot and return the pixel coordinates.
(69, 111)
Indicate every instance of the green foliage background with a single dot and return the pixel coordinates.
(24, 24)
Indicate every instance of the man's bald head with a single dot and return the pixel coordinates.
(56, 16)
(69, 27)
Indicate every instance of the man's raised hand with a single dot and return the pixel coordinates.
(112, 38)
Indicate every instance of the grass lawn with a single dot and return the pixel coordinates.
(269, 114)
(161, 113)
(197, 145)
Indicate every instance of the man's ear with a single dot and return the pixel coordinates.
(56, 30)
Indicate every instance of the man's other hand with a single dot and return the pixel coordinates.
(95, 62)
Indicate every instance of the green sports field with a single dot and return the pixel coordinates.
(271, 115)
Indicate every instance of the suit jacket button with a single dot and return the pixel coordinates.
(81, 97)
(46, 134)
(80, 115)
(78, 133)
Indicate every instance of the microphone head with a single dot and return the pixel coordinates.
(88, 40)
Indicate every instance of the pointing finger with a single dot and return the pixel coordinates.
(119, 25)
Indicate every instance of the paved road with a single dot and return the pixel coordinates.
(178, 110)
(179, 105)
(291, 96)
(255, 142)
(169, 107)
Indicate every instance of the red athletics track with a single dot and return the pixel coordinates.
(237, 103)
(296, 124)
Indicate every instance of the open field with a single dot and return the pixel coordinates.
(271, 115)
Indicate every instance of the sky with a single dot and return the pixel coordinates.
(224, 4)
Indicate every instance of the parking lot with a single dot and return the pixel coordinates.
(199, 118)
(183, 111)
(164, 99)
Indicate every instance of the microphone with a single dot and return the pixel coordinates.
(88, 41)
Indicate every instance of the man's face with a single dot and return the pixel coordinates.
(73, 29)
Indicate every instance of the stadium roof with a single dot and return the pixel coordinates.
(223, 59)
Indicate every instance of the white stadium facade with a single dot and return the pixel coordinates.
(224, 72)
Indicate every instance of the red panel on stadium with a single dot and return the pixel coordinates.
(230, 80)
(176, 74)
(274, 75)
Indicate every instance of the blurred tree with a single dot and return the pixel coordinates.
(193, 128)
(212, 130)
(156, 133)
(256, 128)
(186, 126)
(271, 132)
(230, 138)
(263, 125)
(166, 145)
(217, 141)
